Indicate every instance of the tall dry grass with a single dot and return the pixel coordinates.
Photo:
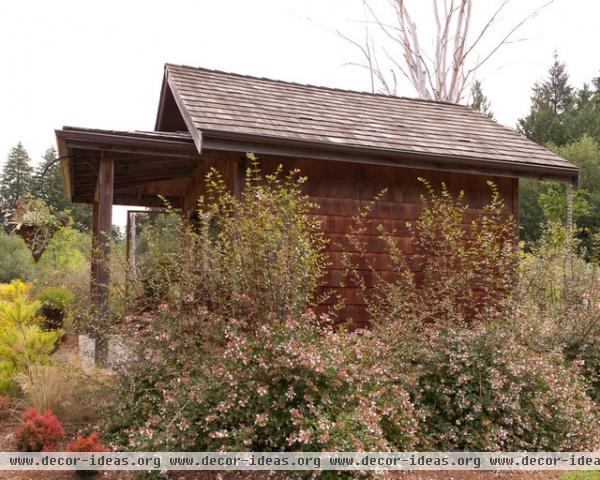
(62, 388)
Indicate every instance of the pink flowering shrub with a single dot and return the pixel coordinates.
(560, 303)
(293, 384)
(298, 385)
(234, 359)
(481, 390)
(493, 372)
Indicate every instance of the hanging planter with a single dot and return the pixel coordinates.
(35, 224)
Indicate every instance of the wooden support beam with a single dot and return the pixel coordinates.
(135, 200)
(130, 237)
(146, 200)
(102, 225)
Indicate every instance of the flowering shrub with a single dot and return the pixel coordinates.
(14, 290)
(483, 391)
(38, 432)
(295, 385)
(91, 443)
(560, 301)
(481, 387)
(233, 359)
(286, 385)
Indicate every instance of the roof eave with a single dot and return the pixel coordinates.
(122, 141)
(222, 140)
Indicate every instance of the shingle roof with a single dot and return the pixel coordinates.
(217, 101)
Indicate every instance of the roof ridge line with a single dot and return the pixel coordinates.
(320, 87)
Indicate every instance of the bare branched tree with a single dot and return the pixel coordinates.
(443, 73)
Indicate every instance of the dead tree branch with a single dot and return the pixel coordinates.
(445, 74)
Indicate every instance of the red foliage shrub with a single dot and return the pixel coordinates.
(38, 432)
(91, 443)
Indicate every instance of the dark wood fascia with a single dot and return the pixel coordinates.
(194, 132)
(224, 141)
(152, 201)
(125, 143)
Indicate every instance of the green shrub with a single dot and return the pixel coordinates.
(55, 298)
(467, 275)
(263, 254)
(22, 341)
(64, 260)
(54, 303)
(259, 255)
(483, 391)
(15, 258)
(67, 249)
(20, 346)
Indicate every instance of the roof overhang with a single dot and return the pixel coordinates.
(266, 145)
(173, 114)
(147, 164)
(233, 112)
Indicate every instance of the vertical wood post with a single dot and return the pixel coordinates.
(102, 225)
(131, 273)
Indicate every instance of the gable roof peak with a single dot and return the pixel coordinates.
(169, 66)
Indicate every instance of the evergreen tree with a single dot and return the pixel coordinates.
(584, 117)
(49, 183)
(556, 90)
(479, 100)
(17, 180)
(49, 187)
(585, 153)
(551, 103)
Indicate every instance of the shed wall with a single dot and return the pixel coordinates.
(341, 189)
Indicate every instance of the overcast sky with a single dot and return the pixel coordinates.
(100, 64)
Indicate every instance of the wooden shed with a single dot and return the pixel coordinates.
(350, 144)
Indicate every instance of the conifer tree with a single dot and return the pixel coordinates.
(479, 100)
(551, 103)
(16, 181)
(49, 183)
(49, 187)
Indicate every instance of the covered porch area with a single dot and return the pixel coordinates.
(106, 168)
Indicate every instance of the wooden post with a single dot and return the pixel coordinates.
(131, 273)
(102, 226)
